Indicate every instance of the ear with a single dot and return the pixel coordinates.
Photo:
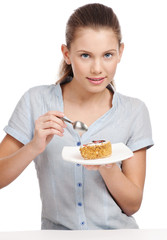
(121, 49)
(65, 52)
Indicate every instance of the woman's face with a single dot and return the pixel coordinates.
(93, 55)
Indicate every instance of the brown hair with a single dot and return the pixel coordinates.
(90, 15)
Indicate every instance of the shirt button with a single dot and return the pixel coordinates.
(78, 143)
(80, 204)
(79, 184)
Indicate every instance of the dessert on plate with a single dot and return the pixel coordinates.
(96, 149)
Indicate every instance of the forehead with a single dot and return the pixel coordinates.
(90, 38)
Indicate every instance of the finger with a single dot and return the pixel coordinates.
(91, 167)
(52, 125)
(41, 125)
(55, 113)
(52, 131)
(107, 165)
(52, 118)
(43, 133)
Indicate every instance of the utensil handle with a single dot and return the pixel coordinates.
(66, 120)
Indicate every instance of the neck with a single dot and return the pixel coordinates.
(72, 94)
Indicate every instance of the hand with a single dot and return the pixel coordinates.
(46, 126)
(97, 167)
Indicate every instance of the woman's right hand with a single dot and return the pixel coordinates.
(15, 157)
(46, 126)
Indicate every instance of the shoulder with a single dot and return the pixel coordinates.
(130, 103)
(42, 89)
(38, 100)
(42, 92)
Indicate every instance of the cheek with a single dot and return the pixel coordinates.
(111, 68)
(78, 68)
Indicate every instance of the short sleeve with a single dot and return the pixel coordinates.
(20, 125)
(141, 130)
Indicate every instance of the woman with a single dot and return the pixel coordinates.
(72, 196)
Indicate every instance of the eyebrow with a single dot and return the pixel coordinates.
(110, 50)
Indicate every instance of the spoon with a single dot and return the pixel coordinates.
(77, 125)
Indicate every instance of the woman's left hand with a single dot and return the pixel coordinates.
(96, 167)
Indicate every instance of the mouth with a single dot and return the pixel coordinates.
(96, 80)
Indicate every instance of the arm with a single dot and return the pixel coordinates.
(126, 186)
(15, 157)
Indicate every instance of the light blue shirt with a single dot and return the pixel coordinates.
(72, 196)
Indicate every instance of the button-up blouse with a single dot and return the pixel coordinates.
(72, 196)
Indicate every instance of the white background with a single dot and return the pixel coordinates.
(31, 34)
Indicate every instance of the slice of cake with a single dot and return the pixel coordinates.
(96, 149)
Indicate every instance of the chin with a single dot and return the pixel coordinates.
(97, 89)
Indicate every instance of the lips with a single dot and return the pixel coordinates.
(96, 80)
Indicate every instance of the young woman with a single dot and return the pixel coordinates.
(73, 197)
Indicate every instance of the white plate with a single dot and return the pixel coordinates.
(119, 152)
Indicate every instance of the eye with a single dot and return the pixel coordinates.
(108, 55)
(85, 55)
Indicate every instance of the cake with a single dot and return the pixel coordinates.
(96, 149)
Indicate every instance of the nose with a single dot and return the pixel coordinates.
(96, 67)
